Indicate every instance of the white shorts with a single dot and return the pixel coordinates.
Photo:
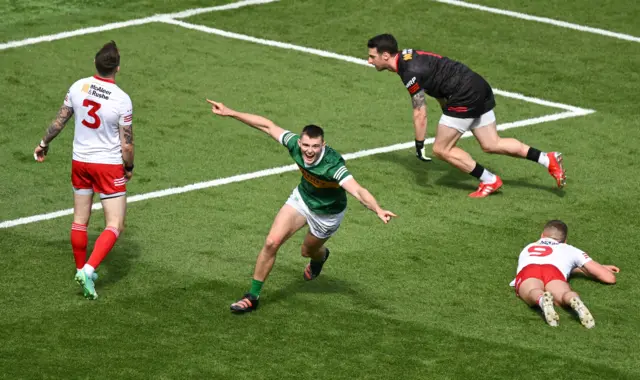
(465, 125)
(320, 225)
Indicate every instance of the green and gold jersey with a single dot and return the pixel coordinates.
(320, 185)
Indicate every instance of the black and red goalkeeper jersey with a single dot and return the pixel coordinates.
(466, 92)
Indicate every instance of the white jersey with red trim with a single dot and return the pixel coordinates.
(100, 107)
(563, 256)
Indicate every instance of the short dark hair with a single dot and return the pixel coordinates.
(556, 229)
(384, 43)
(108, 59)
(312, 131)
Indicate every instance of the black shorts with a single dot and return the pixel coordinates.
(473, 99)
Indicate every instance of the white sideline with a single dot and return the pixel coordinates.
(346, 58)
(269, 172)
(544, 20)
(239, 4)
(571, 111)
(124, 24)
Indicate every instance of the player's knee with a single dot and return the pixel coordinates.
(491, 147)
(272, 243)
(440, 152)
(305, 251)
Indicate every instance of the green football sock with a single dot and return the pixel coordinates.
(256, 288)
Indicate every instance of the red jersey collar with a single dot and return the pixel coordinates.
(104, 79)
(397, 59)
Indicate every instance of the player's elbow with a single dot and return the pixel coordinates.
(268, 126)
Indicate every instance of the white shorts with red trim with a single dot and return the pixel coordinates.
(465, 125)
(105, 179)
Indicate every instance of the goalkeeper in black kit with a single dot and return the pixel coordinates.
(467, 103)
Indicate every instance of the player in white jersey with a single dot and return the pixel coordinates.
(102, 158)
(544, 268)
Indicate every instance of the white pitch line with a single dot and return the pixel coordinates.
(78, 32)
(197, 11)
(501, 127)
(124, 24)
(542, 102)
(261, 41)
(544, 20)
(347, 58)
(270, 172)
(572, 111)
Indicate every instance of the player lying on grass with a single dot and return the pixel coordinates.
(102, 162)
(544, 268)
(319, 200)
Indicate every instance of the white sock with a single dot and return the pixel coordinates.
(543, 160)
(540, 299)
(88, 269)
(488, 177)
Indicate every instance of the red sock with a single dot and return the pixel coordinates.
(79, 243)
(105, 242)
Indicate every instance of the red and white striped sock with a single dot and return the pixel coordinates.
(540, 300)
(103, 246)
(79, 242)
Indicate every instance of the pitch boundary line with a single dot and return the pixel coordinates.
(570, 111)
(243, 3)
(124, 24)
(272, 171)
(323, 53)
(544, 20)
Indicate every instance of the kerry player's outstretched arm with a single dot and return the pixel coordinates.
(368, 200)
(258, 122)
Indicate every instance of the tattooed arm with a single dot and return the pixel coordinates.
(64, 114)
(419, 115)
(126, 141)
(420, 124)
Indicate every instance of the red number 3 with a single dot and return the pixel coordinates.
(95, 124)
(540, 250)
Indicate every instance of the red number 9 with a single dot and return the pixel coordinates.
(540, 250)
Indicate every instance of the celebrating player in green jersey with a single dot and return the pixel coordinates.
(319, 200)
